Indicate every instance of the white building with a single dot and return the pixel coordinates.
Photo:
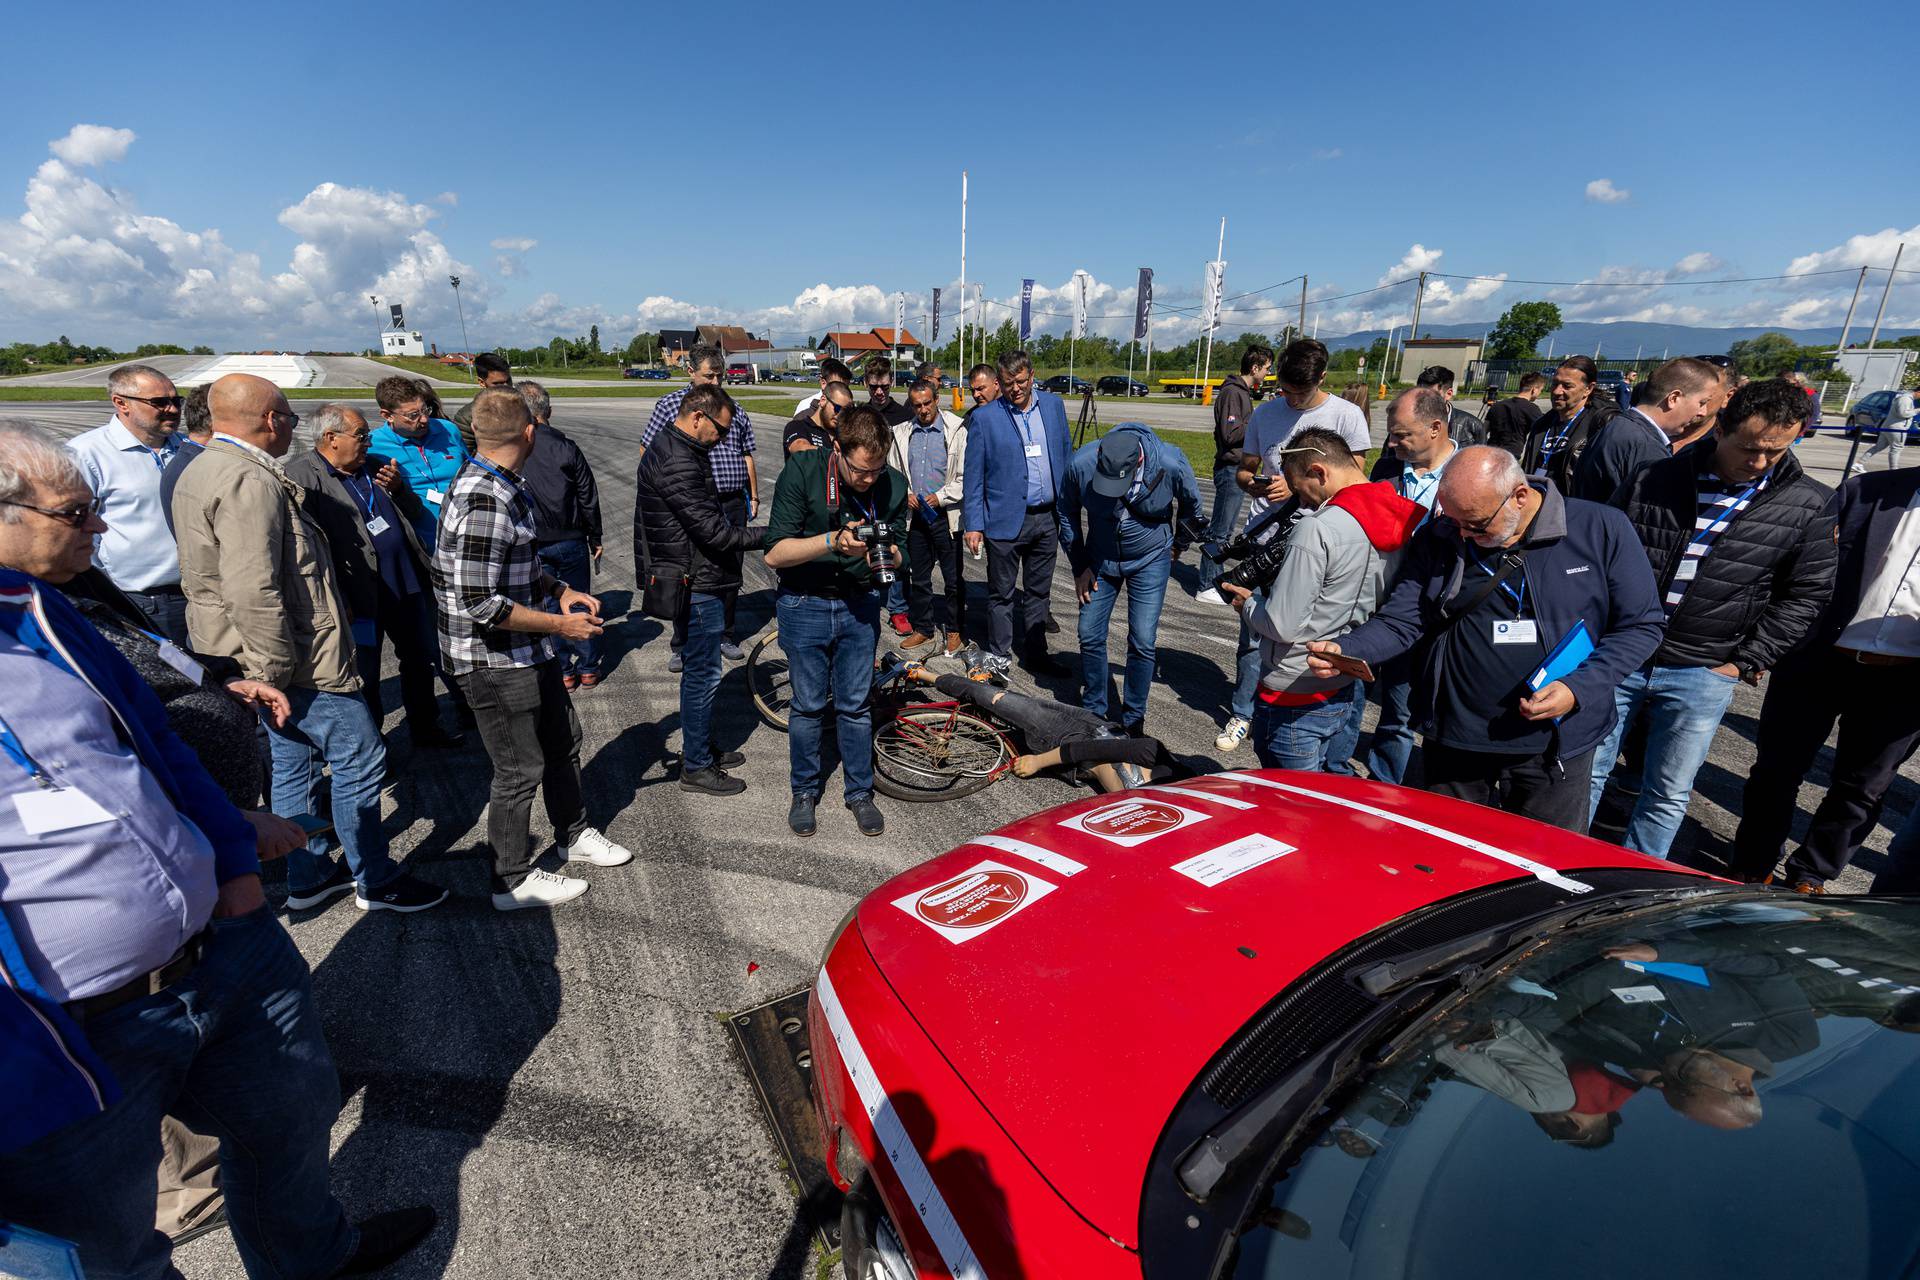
(402, 342)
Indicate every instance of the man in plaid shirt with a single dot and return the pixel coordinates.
(494, 639)
(734, 476)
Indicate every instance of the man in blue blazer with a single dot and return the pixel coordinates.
(1018, 449)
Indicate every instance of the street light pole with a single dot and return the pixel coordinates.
(465, 346)
(380, 342)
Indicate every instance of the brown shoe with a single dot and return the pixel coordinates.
(588, 679)
(915, 640)
(954, 644)
(1812, 888)
(570, 682)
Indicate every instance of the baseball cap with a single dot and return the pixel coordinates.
(1114, 466)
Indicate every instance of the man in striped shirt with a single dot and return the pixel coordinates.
(496, 641)
(1741, 542)
(734, 476)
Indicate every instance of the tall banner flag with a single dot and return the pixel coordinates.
(1143, 304)
(1026, 310)
(934, 338)
(1216, 286)
(1080, 279)
(899, 317)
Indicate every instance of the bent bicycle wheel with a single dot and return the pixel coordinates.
(769, 680)
(930, 753)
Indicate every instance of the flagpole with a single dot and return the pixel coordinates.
(962, 371)
(1218, 254)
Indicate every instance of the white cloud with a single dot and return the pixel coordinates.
(93, 144)
(451, 199)
(1698, 264)
(512, 244)
(1326, 153)
(1602, 191)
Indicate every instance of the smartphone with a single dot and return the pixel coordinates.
(311, 825)
(1355, 667)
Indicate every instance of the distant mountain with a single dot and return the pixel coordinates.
(1620, 339)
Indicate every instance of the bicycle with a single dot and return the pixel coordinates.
(923, 750)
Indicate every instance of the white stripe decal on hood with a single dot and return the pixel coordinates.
(1538, 870)
(922, 1194)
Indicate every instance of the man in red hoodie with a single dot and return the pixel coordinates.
(1340, 558)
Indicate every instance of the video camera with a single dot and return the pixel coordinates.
(882, 559)
(1259, 561)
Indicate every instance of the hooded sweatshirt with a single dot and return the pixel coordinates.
(1339, 562)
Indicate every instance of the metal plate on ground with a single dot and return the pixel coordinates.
(772, 1040)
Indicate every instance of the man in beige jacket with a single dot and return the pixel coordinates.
(258, 578)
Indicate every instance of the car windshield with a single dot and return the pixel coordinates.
(1726, 1090)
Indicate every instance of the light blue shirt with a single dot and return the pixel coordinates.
(136, 552)
(92, 907)
(1415, 487)
(1033, 431)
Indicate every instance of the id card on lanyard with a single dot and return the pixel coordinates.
(49, 807)
(1519, 629)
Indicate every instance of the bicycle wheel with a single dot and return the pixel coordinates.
(769, 681)
(927, 753)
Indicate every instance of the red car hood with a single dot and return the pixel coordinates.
(1079, 968)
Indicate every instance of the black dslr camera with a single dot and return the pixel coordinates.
(1259, 562)
(882, 558)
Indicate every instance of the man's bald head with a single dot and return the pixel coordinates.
(1481, 471)
(1484, 489)
(500, 418)
(251, 409)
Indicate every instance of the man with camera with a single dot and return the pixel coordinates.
(1338, 561)
(838, 518)
(1135, 490)
(1494, 587)
(690, 552)
(1232, 410)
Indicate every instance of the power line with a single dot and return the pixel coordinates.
(1650, 284)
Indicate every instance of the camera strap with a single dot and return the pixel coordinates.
(1511, 562)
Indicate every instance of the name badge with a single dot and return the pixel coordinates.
(48, 809)
(377, 526)
(177, 658)
(1033, 451)
(436, 497)
(1516, 631)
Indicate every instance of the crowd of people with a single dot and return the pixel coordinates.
(1551, 608)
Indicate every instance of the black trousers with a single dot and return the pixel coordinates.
(1020, 573)
(526, 722)
(409, 623)
(1553, 792)
(1878, 711)
(734, 503)
(931, 543)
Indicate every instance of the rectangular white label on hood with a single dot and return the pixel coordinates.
(1134, 820)
(983, 896)
(1229, 860)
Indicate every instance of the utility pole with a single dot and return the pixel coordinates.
(380, 339)
(1847, 328)
(465, 346)
(1303, 305)
(1879, 315)
(1413, 330)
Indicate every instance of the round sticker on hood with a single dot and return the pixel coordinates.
(984, 895)
(1133, 821)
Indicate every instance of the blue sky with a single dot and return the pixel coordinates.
(256, 171)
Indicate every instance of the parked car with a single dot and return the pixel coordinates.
(1615, 384)
(1869, 410)
(739, 373)
(1115, 384)
(1265, 1024)
(1063, 385)
(643, 372)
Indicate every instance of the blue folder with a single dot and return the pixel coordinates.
(1568, 654)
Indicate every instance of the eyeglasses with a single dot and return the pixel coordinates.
(352, 435)
(72, 517)
(158, 402)
(293, 419)
(862, 471)
(412, 415)
(1478, 527)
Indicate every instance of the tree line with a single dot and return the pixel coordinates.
(25, 357)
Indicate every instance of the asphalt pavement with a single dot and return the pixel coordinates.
(557, 1084)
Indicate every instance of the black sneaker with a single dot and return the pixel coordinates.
(867, 816)
(1052, 627)
(676, 663)
(387, 1237)
(729, 759)
(800, 816)
(402, 893)
(215, 1221)
(440, 738)
(713, 780)
(338, 881)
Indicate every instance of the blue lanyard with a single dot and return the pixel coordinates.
(868, 509)
(365, 500)
(496, 473)
(1519, 597)
(18, 754)
(1706, 535)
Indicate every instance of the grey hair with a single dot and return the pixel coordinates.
(1012, 363)
(1427, 403)
(30, 452)
(330, 419)
(123, 380)
(539, 403)
(706, 353)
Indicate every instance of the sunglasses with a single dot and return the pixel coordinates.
(72, 517)
(158, 402)
(1477, 527)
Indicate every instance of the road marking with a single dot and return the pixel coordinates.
(915, 1180)
(1033, 853)
(1538, 870)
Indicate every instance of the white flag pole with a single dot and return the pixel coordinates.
(1216, 284)
(962, 371)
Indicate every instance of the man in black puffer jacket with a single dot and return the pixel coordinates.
(688, 556)
(1741, 542)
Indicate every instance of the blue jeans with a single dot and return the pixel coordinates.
(1684, 706)
(830, 646)
(706, 624)
(1902, 873)
(336, 728)
(572, 563)
(1227, 500)
(1246, 671)
(1319, 737)
(235, 1050)
(1146, 593)
(1392, 745)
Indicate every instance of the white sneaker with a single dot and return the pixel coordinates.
(1233, 735)
(1211, 596)
(593, 847)
(539, 889)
